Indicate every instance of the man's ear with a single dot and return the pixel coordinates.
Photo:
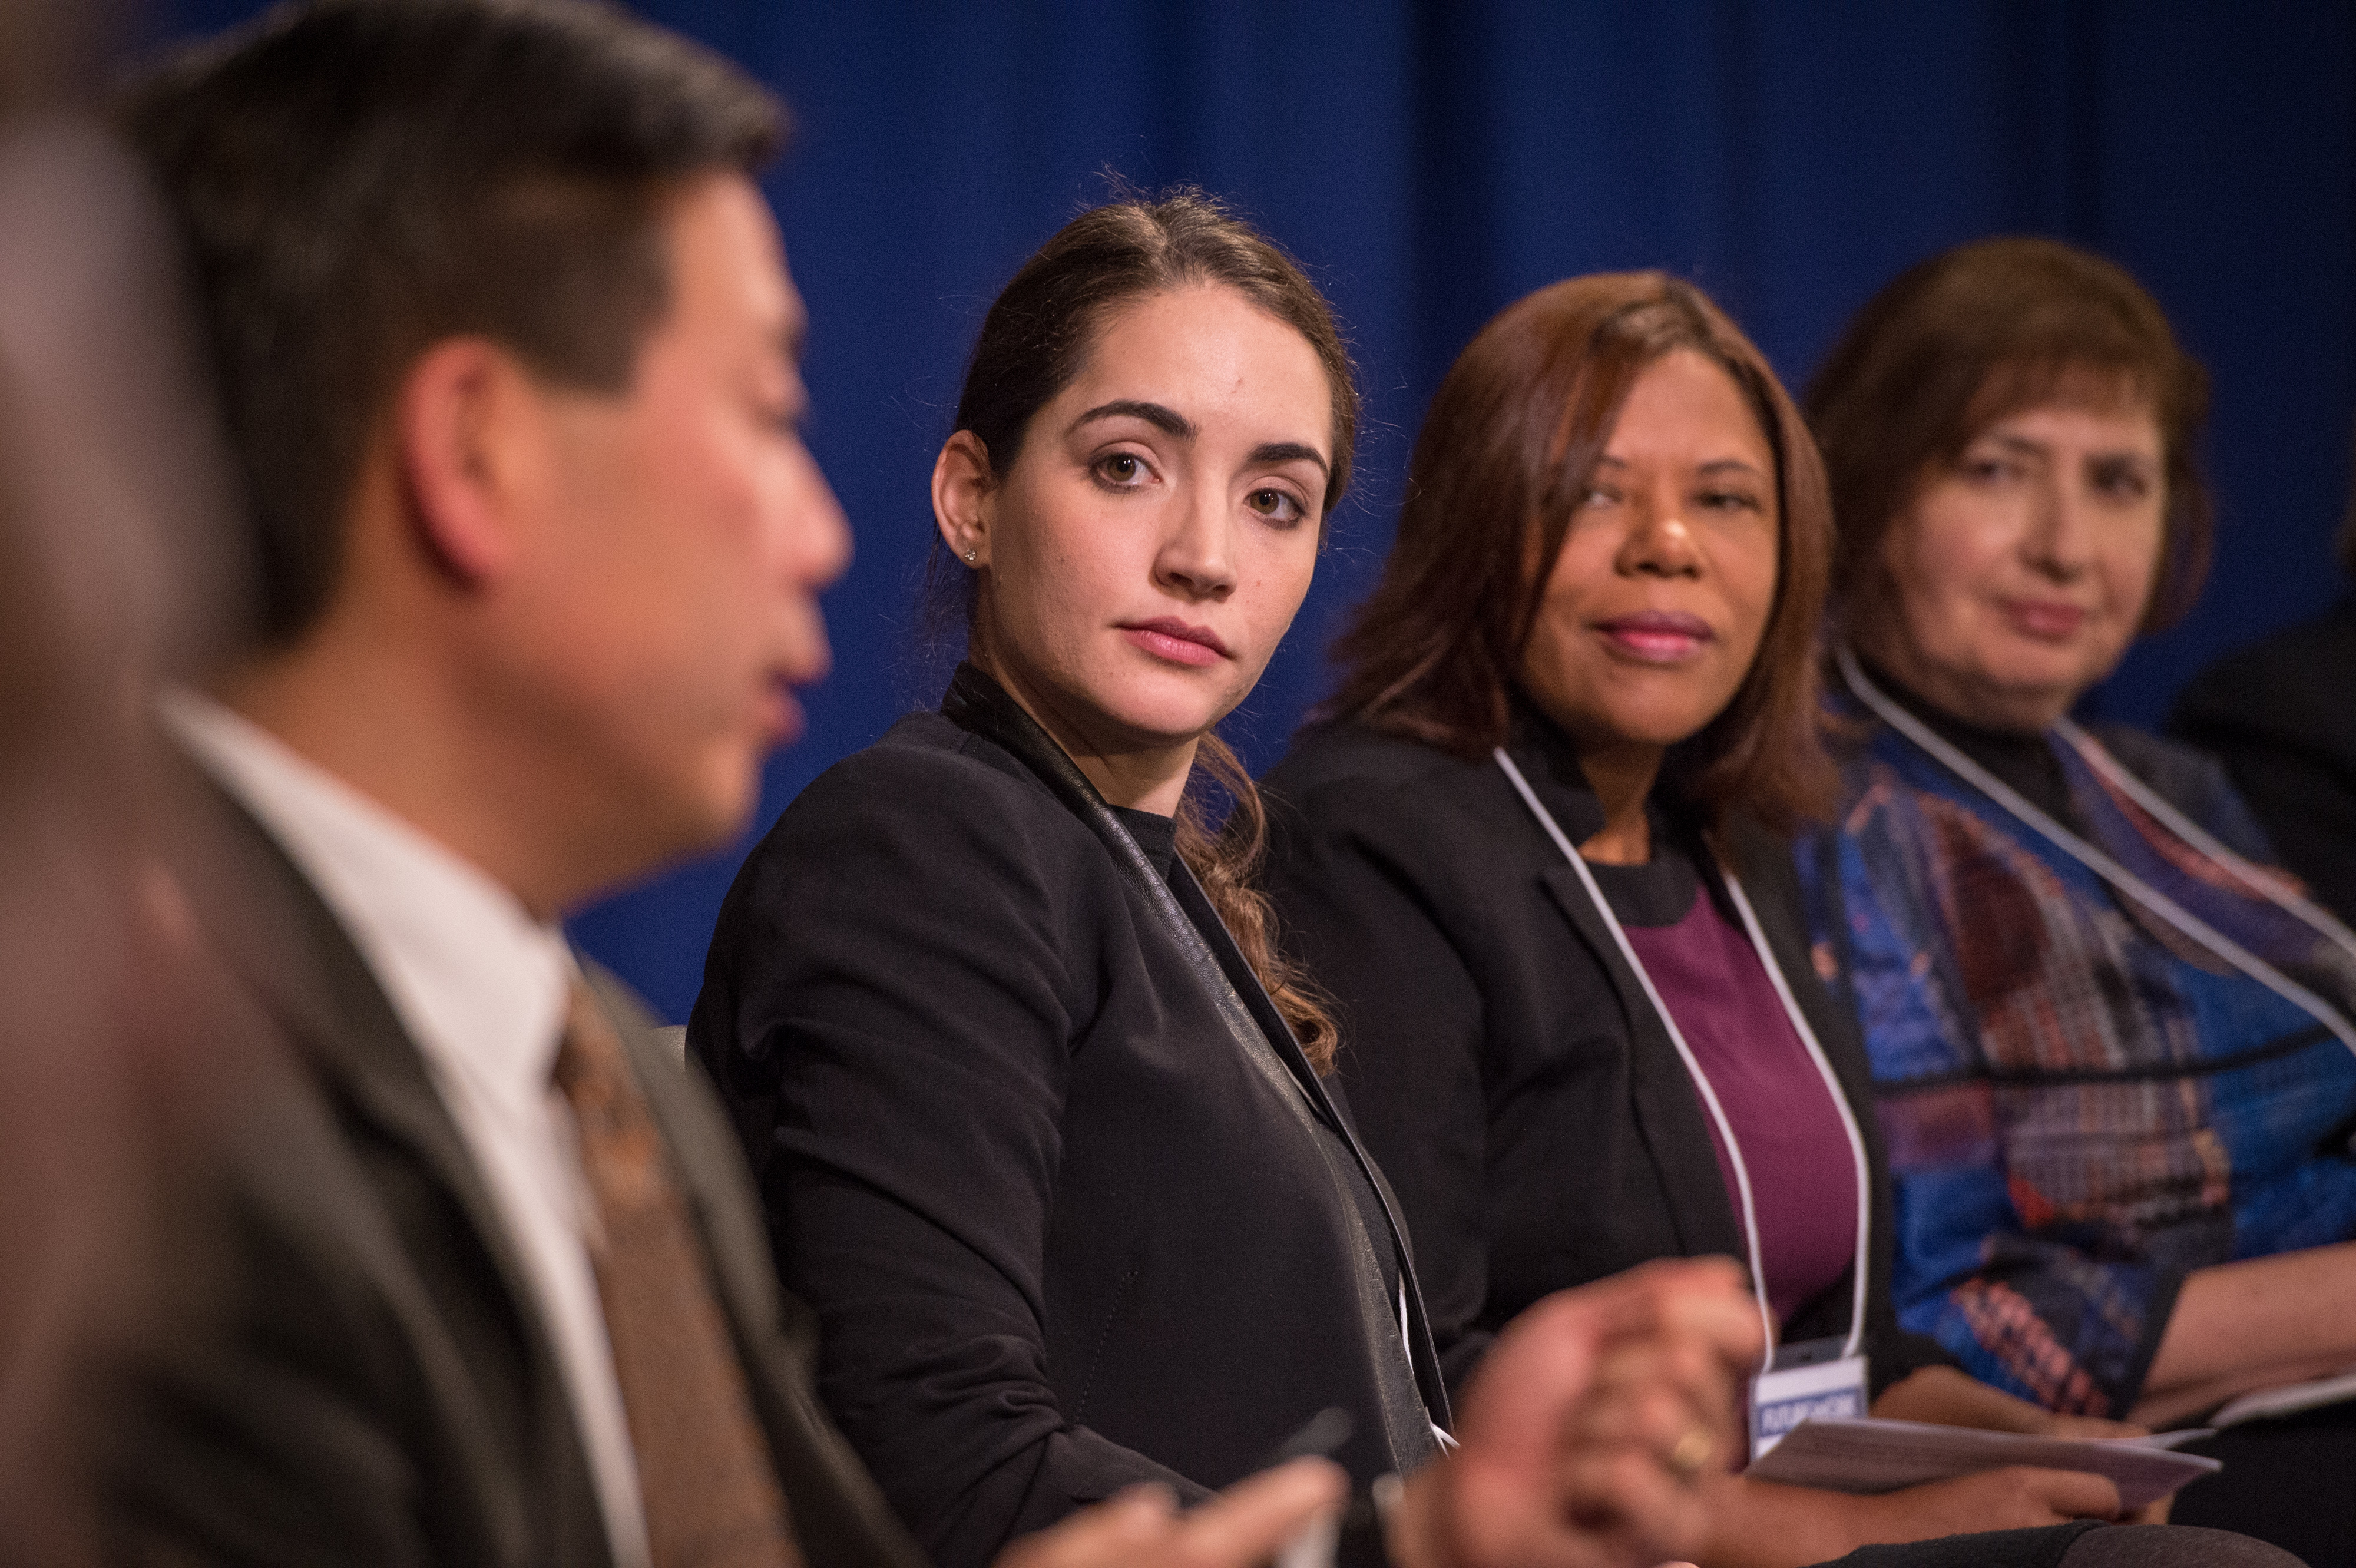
(963, 487)
(465, 420)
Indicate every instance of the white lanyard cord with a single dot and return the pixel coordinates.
(2095, 860)
(2266, 884)
(1701, 1079)
(1840, 1102)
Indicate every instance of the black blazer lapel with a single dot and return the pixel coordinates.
(274, 933)
(977, 703)
(1430, 1382)
(1667, 1109)
(296, 955)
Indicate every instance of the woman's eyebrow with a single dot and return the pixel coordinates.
(1169, 420)
(1289, 452)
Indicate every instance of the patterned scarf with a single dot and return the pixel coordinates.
(2087, 1093)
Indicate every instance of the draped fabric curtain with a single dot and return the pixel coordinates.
(1430, 162)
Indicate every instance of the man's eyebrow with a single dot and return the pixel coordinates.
(1290, 452)
(1169, 420)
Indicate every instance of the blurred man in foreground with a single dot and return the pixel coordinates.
(112, 1061)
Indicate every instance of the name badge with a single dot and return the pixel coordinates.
(1808, 1380)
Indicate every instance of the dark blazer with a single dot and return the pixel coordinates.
(1501, 1058)
(1062, 1190)
(2281, 716)
(361, 1377)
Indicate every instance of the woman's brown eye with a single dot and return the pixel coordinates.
(1120, 467)
(1275, 504)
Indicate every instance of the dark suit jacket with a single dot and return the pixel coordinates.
(1059, 1183)
(2281, 716)
(361, 1377)
(1500, 1057)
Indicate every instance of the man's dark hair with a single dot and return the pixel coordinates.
(359, 179)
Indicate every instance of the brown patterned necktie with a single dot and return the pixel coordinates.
(709, 1487)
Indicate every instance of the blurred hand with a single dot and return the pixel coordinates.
(2015, 1498)
(2096, 1428)
(1589, 1424)
(1142, 1528)
(2092, 1427)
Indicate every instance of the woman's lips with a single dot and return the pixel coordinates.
(2048, 620)
(1178, 641)
(1657, 637)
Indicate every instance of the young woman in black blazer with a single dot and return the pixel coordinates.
(1544, 826)
(1038, 1116)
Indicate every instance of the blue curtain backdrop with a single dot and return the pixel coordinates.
(1431, 162)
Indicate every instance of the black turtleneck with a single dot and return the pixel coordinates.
(2025, 763)
(1156, 835)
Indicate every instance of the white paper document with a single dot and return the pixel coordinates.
(1871, 1455)
(2288, 1400)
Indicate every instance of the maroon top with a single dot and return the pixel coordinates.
(1802, 1173)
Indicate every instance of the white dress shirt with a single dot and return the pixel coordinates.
(482, 988)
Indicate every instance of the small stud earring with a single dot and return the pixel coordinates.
(969, 557)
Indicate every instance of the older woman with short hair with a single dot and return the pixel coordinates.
(2112, 1045)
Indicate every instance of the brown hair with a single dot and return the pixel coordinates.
(357, 179)
(1974, 334)
(1506, 451)
(1034, 340)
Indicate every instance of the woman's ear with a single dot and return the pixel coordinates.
(963, 490)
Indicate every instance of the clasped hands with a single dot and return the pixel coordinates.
(1582, 1442)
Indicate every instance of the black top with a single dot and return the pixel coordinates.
(2281, 716)
(1156, 836)
(1071, 1206)
(1659, 891)
(1501, 1058)
(1157, 840)
(2023, 763)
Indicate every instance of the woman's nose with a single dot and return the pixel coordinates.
(2059, 536)
(1658, 541)
(1198, 557)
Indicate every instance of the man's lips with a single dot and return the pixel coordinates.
(2051, 620)
(1656, 637)
(1181, 642)
(780, 710)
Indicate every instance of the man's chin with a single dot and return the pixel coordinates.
(703, 821)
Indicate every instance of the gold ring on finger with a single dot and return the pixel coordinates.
(1693, 1451)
